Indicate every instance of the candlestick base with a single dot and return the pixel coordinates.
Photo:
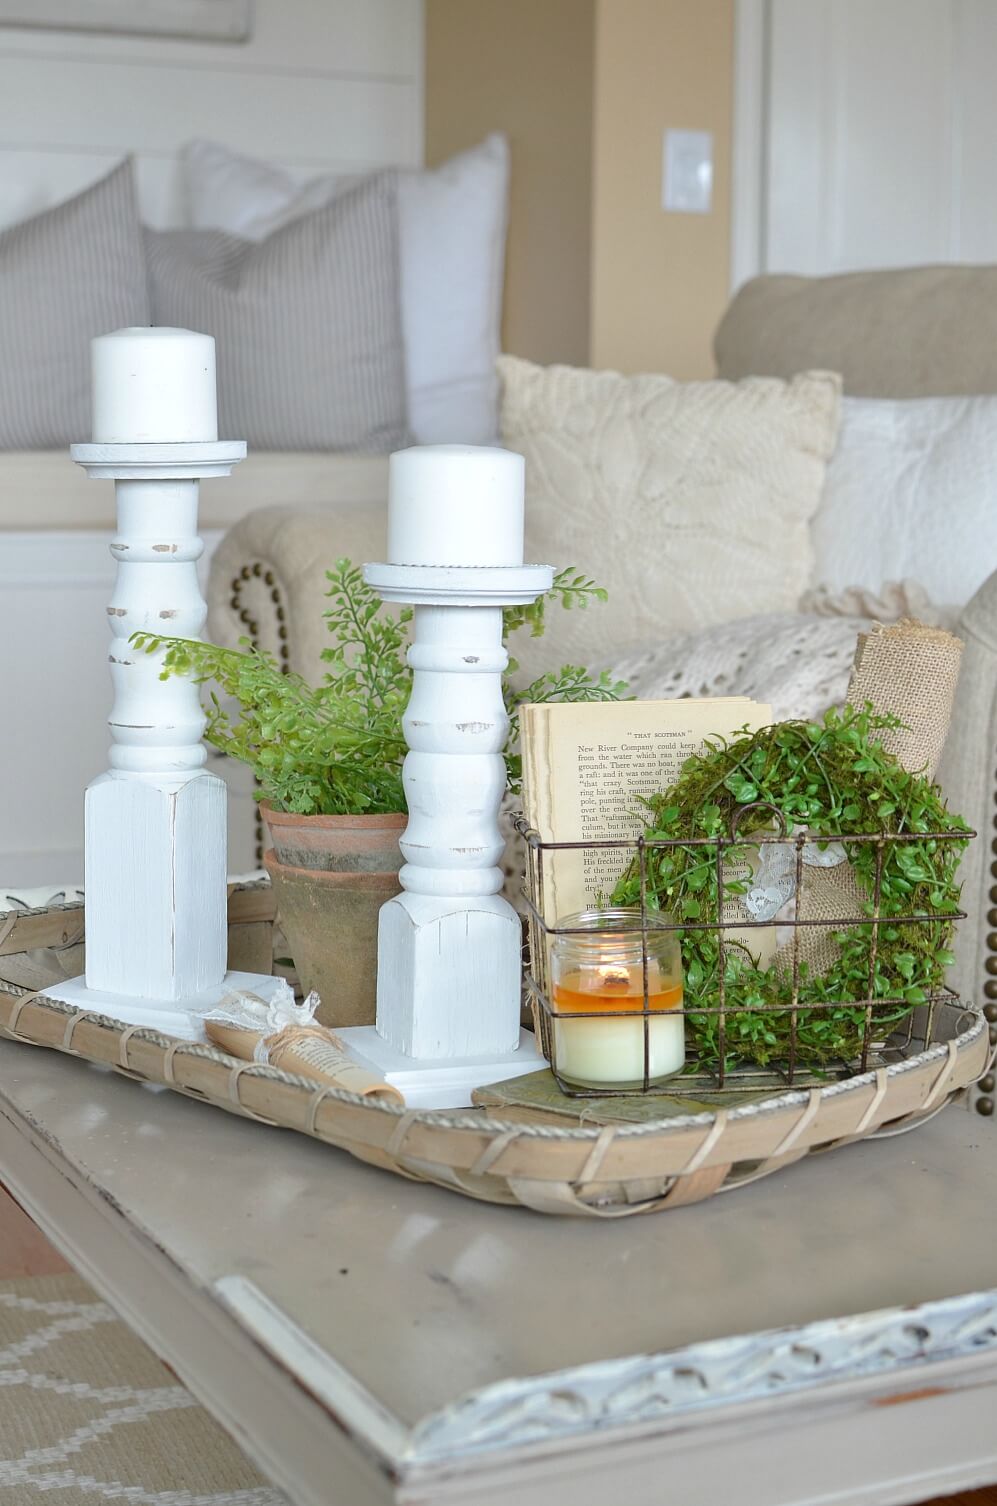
(440, 1083)
(449, 975)
(155, 885)
(177, 1017)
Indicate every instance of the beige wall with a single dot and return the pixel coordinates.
(659, 280)
(597, 272)
(525, 67)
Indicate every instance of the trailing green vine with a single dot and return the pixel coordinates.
(834, 779)
(337, 748)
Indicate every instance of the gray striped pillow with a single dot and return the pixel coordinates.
(70, 273)
(307, 323)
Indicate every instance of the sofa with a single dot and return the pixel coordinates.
(268, 574)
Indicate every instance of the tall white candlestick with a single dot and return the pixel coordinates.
(449, 967)
(155, 852)
(156, 724)
(156, 822)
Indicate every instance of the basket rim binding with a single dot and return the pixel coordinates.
(477, 1119)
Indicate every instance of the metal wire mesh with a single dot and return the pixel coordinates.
(892, 1028)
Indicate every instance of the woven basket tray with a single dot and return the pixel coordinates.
(608, 1171)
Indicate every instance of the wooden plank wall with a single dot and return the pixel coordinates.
(322, 85)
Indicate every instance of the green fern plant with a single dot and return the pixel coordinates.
(337, 748)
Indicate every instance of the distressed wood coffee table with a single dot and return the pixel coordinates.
(827, 1335)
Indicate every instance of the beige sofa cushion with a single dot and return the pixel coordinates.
(689, 501)
(911, 332)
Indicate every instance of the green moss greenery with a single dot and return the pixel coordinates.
(337, 748)
(834, 778)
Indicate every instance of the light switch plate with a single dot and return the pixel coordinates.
(687, 172)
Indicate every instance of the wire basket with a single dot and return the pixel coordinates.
(882, 1028)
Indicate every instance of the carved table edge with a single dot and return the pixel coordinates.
(638, 1390)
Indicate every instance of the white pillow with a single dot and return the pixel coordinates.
(247, 197)
(911, 494)
(452, 224)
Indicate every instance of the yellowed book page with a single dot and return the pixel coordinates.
(585, 768)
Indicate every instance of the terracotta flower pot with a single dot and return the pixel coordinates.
(336, 844)
(331, 875)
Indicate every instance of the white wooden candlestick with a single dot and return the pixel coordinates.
(449, 947)
(155, 840)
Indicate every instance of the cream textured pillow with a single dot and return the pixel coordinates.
(689, 501)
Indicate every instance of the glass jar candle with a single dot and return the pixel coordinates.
(597, 996)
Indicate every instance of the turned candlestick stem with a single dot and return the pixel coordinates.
(449, 947)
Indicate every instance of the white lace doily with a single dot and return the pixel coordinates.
(799, 664)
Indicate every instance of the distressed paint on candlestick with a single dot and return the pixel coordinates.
(155, 822)
(155, 851)
(155, 846)
(150, 931)
(449, 974)
(449, 946)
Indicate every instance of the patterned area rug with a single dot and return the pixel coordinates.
(89, 1414)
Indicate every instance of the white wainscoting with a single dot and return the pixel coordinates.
(322, 85)
(54, 588)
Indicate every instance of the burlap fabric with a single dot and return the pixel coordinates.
(911, 670)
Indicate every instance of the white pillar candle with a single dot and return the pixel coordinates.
(598, 1000)
(456, 504)
(606, 1053)
(154, 386)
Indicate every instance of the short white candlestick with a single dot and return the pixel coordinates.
(449, 947)
(155, 849)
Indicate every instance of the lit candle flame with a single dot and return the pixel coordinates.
(612, 972)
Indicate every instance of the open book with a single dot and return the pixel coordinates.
(585, 767)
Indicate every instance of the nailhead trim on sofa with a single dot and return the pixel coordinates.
(987, 1084)
(252, 626)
